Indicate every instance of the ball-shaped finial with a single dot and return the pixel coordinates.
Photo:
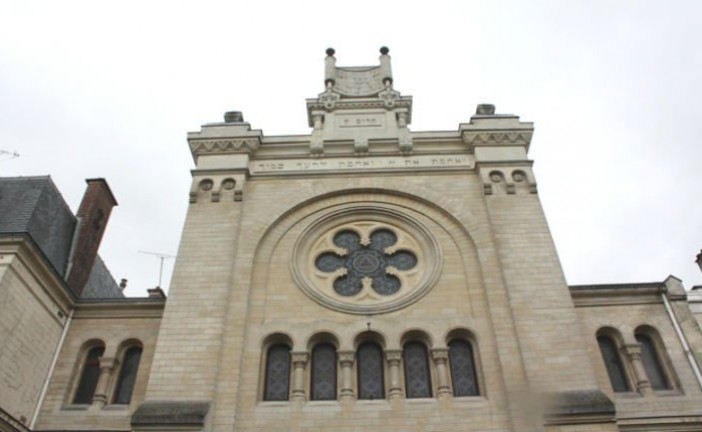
(330, 52)
(384, 50)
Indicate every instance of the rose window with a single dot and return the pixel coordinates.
(374, 263)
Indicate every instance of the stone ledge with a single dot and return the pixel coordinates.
(189, 413)
(579, 406)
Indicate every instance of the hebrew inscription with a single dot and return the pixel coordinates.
(350, 164)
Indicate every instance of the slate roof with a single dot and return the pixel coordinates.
(34, 206)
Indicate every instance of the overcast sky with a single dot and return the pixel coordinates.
(109, 89)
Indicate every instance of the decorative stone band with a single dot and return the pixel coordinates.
(233, 145)
(522, 138)
(322, 104)
(183, 415)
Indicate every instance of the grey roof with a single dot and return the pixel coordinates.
(101, 284)
(33, 205)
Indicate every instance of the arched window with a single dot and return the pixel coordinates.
(277, 386)
(370, 371)
(127, 376)
(417, 375)
(89, 376)
(613, 363)
(323, 372)
(462, 363)
(652, 363)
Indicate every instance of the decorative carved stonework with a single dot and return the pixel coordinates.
(473, 138)
(234, 145)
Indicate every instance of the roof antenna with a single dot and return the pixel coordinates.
(162, 256)
(11, 154)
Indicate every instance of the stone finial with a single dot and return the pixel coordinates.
(485, 109)
(385, 66)
(233, 117)
(698, 260)
(330, 68)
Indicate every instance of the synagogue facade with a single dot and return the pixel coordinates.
(362, 277)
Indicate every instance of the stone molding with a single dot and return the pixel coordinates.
(169, 415)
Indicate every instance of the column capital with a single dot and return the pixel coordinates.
(346, 356)
(299, 357)
(439, 354)
(393, 356)
(632, 350)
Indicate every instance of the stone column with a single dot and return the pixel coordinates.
(346, 364)
(440, 357)
(632, 353)
(107, 366)
(394, 357)
(299, 361)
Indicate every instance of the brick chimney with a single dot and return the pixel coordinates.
(92, 216)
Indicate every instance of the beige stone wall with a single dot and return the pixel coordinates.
(31, 322)
(117, 326)
(234, 286)
(625, 317)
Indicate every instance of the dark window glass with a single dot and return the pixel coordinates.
(652, 364)
(363, 261)
(89, 376)
(127, 376)
(324, 372)
(417, 378)
(613, 363)
(370, 372)
(277, 373)
(463, 375)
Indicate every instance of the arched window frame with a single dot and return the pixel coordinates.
(613, 339)
(120, 379)
(362, 368)
(658, 359)
(314, 365)
(409, 376)
(475, 378)
(271, 342)
(86, 359)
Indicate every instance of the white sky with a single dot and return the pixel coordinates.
(109, 89)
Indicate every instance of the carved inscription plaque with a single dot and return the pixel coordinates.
(359, 120)
(360, 82)
(365, 164)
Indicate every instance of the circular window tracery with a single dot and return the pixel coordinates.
(373, 264)
(366, 261)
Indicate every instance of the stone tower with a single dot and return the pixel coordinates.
(367, 276)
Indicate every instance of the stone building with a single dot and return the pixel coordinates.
(362, 277)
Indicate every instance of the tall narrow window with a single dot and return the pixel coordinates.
(652, 363)
(417, 375)
(89, 376)
(370, 371)
(463, 376)
(324, 372)
(277, 386)
(127, 376)
(613, 363)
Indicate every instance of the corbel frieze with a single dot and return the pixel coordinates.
(233, 145)
(474, 138)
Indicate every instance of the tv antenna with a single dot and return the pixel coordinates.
(11, 154)
(162, 257)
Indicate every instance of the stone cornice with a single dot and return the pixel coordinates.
(317, 105)
(120, 308)
(617, 294)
